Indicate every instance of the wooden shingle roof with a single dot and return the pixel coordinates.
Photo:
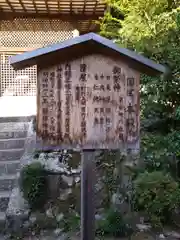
(78, 11)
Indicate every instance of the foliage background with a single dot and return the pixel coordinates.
(152, 28)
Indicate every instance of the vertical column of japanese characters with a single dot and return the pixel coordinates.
(43, 129)
(83, 80)
(68, 88)
(118, 87)
(131, 110)
(59, 103)
(52, 110)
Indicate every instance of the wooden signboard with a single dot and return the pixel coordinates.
(91, 102)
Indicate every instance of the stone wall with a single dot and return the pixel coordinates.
(64, 174)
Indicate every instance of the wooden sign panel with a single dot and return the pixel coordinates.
(91, 102)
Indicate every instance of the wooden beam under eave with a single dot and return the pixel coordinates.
(66, 17)
(22, 5)
(10, 5)
(96, 30)
(47, 7)
(91, 21)
(71, 11)
(96, 27)
(84, 7)
(35, 7)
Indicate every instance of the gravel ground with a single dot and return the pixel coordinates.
(51, 237)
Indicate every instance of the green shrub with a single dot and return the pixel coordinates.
(33, 184)
(157, 194)
(113, 224)
(71, 222)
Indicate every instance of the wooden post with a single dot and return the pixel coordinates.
(88, 195)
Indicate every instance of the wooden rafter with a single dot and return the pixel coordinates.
(81, 13)
(95, 6)
(84, 7)
(67, 17)
(58, 1)
(22, 5)
(47, 7)
(35, 7)
(10, 5)
(90, 21)
(71, 7)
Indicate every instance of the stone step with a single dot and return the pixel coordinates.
(13, 126)
(9, 167)
(12, 143)
(2, 216)
(16, 119)
(13, 134)
(11, 154)
(8, 182)
(2, 221)
(4, 200)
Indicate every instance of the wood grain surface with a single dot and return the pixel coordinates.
(91, 102)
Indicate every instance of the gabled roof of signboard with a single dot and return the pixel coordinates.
(83, 45)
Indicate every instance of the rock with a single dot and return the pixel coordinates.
(77, 179)
(58, 231)
(173, 234)
(49, 213)
(161, 236)
(17, 204)
(64, 237)
(69, 180)
(142, 236)
(53, 154)
(120, 203)
(17, 212)
(32, 218)
(29, 146)
(76, 171)
(59, 217)
(143, 227)
(65, 194)
(52, 164)
(26, 225)
(99, 217)
(116, 199)
(99, 186)
(53, 186)
(14, 223)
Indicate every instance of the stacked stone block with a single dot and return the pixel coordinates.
(13, 132)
